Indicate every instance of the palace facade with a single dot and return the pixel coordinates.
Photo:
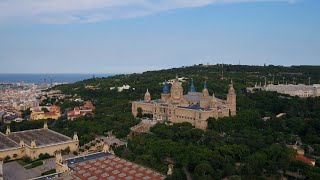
(32, 143)
(193, 107)
(300, 90)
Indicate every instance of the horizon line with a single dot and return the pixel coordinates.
(119, 73)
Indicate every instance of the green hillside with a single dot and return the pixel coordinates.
(242, 146)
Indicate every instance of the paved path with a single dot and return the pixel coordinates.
(14, 171)
(112, 140)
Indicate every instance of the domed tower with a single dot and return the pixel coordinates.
(165, 95)
(205, 92)
(205, 98)
(231, 100)
(213, 102)
(176, 90)
(147, 96)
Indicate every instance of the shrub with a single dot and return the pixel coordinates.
(33, 165)
(65, 151)
(51, 171)
(7, 158)
(44, 156)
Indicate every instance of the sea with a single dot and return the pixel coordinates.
(47, 78)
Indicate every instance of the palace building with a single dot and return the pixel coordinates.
(32, 143)
(193, 107)
(300, 90)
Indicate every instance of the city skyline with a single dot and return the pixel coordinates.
(135, 36)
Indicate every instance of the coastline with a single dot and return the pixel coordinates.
(47, 78)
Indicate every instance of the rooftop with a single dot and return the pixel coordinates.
(42, 137)
(304, 159)
(194, 107)
(193, 96)
(108, 166)
(6, 143)
(290, 87)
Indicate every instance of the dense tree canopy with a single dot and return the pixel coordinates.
(243, 146)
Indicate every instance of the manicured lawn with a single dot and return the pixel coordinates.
(51, 171)
(33, 165)
(22, 163)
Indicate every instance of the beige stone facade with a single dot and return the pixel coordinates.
(54, 113)
(32, 143)
(193, 107)
(81, 111)
(1, 169)
(300, 90)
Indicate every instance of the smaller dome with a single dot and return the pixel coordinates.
(147, 96)
(176, 82)
(165, 89)
(205, 91)
(231, 89)
(213, 98)
(147, 93)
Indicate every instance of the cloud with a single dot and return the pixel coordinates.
(88, 11)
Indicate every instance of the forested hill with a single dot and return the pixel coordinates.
(245, 145)
(242, 75)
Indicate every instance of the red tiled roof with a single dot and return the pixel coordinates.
(304, 159)
(50, 113)
(112, 167)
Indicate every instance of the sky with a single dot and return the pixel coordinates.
(112, 36)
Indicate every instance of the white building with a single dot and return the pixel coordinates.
(300, 90)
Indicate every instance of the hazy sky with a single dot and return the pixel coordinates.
(121, 36)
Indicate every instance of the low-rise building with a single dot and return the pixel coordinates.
(300, 90)
(299, 156)
(54, 113)
(121, 88)
(81, 111)
(32, 143)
